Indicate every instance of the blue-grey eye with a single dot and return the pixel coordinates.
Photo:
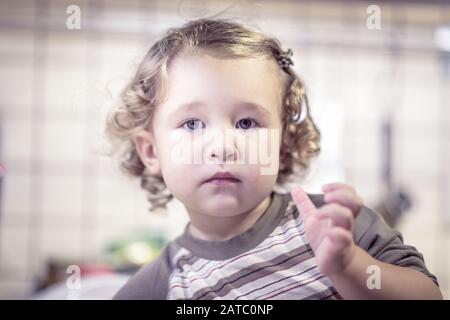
(192, 124)
(245, 124)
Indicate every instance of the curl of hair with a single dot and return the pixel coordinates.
(148, 88)
(300, 142)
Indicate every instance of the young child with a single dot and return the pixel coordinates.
(206, 99)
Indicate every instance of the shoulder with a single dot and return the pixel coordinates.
(151, 281)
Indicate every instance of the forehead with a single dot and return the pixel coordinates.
(223, 81)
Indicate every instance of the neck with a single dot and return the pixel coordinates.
(223, 228)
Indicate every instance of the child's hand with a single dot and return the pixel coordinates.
(329, 228)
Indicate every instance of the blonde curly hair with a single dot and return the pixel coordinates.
(300, 139)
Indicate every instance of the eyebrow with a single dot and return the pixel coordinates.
(254, 107)
(247, 106)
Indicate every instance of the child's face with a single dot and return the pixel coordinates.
(210, 121)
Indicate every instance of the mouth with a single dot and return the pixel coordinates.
(223, 179)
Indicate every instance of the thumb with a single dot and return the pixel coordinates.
(304, 204)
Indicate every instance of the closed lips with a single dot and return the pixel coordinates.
(223, 176)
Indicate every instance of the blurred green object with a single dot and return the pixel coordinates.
(134, 250)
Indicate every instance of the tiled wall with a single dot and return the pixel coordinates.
(61, 199)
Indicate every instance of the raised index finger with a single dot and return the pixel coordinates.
(304, 204)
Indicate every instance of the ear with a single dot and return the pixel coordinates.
(145, 146)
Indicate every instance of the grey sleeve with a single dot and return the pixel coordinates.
(150, 282)
(372, 234)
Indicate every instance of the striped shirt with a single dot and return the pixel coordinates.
(271, 260)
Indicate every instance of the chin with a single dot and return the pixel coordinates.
(221, 207)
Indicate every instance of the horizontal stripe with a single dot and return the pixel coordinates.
(266, 297)
(282, 233)
(257, 271)
(191, 280)
(275, 282)
(328, 294)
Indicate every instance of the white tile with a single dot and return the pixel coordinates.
(368, 154)
(61, 220)
(23, 8)
(114, 220)
(15, 289)
(126, 16)
(109, 168)
(16, 140)
(62, 195)
(14, 247)
(420, 104)
(423, 12)
(113, 48)
(16, 204)
(420, 155)
(17, 41)
(16, 219)
(418, 68)
(59, 167)
(61, 244)
(418, 129)
(362, 175)
(70, 44)
(62, 84)
(13, 272)
(116, 197)
(17, 85)
(371, 67)
(64, 141)
(16, 114)
(100, 240)
(367, 126)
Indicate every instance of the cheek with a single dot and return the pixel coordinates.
(261, 148)
(176, 156)
(178, 176)
(184, 149)
(256, 175)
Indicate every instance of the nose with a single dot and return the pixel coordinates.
(221, 147)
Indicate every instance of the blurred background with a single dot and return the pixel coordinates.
(378, 77)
